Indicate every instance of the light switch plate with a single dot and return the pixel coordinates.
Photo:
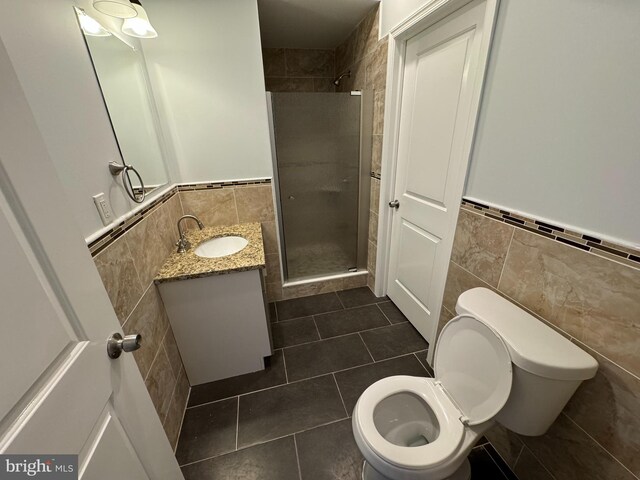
(104, 209)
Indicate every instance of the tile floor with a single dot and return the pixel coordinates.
(292, 420)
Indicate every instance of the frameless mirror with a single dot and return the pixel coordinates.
(124, 82)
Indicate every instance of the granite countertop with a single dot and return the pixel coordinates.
(183, 266)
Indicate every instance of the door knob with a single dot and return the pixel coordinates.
(394, 204)
(117, 344)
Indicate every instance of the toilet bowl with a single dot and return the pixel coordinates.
(416, 428)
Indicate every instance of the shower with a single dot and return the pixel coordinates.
(347, 74)
(320, 142)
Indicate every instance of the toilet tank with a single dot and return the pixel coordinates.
(547, 367)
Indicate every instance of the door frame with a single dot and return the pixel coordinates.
(431, 13)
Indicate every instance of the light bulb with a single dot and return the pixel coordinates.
(91, 26)
(139, 26)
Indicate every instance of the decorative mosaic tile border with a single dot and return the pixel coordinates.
(106, 239)
(187, 187)
(588, 243)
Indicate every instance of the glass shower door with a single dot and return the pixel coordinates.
(317, 143)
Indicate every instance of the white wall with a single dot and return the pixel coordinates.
(559, 128)
(393, 12)
(206, 73)
(50, 58)
(559, 131)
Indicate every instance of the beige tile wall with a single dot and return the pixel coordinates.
(241, 204)
(298, 70)
(127, 267)
(366, 58)
(592, 300)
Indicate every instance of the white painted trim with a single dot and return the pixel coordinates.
(430, 14)
(566, 226)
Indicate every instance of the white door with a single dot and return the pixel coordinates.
(59, 391)
(442, 79)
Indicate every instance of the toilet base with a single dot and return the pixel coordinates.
(462, 473)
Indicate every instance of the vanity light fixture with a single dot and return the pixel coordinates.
(139, 26)
(115, 8)
(90, 26)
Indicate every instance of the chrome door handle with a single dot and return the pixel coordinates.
(394, 204)
(117, 344)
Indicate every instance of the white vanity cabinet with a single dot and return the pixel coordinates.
(216, 303)
(220, 323)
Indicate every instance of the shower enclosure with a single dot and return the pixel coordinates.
(320, 141)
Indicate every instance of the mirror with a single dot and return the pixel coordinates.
(124, 82)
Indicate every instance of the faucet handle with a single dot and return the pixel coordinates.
(183, 245)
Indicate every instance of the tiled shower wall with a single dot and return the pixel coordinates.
(127, 267)
(231, 204)
(591, 297)
(366, 57)
(299, 70)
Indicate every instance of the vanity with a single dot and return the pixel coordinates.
(216, 304)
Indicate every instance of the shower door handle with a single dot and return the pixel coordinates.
(394, 204)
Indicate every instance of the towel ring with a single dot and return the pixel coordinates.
(116, 169)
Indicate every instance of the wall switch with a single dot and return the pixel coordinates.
(104, 209)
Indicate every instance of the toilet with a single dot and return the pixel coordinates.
(494, 362)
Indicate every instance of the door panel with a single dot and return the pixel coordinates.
(414, 273)
(436, 109)
(48, 337)
(56, 377)
(110, 453)
(439, 75)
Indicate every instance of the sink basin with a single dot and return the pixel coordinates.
(221, 247)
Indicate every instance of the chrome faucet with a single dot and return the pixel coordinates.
(183, 244)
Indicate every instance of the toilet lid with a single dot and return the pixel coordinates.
(473, 365)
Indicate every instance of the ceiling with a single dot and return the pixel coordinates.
(309, 23)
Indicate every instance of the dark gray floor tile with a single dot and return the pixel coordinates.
(483, 467)
(274, 460)
(294, 332)
(305, 306)
(325, 356)
(356, 297)
(273, 313)
(269, 377)
(497, 459)
(208, 430)
(392, 312)
(529, 468)
(288, 409)
(482, 441)
(350, 320)
(356, 380)
(329, 452)
(422, 356)
(393, 341)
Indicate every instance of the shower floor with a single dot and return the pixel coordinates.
(318, 259)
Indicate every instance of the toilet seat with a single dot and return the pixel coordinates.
(472, 384)
(432, 454)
